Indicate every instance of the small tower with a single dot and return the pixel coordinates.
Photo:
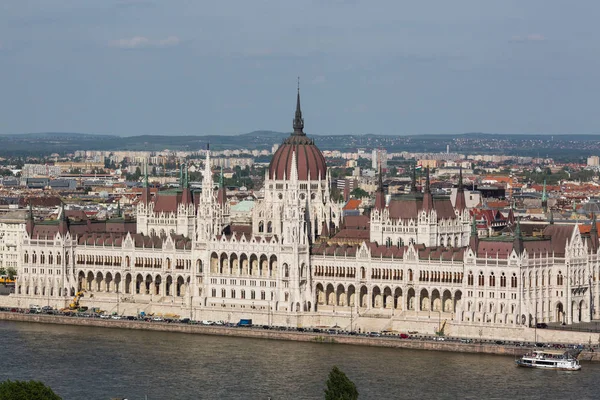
(474, 239)
(222, 192)
(461, 202)
(380, 194)
(30, 223)
(594, 233)
(413, 183)
(544, 198)
(427, 196)
(518, 239)
(63, 223)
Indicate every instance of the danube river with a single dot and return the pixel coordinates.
(98, 363)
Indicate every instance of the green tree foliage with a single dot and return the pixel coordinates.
(2, 271)
(21, 390)
(11, 272)
(359, 193)
(339, 387)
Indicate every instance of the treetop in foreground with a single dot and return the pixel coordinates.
(22, 390)
(339, 387)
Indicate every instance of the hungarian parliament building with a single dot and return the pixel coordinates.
(292, 256)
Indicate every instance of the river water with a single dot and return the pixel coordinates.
(98, 363)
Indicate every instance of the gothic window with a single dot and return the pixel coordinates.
(243, 294)
(492, 280)
(481, 280)
(388, 242)
(559, 279)
(470, 279)
(214, 293)
(261, 227)
(513, 281)
(269, 227)
(223, 293)
(503, 280)
(252, 295)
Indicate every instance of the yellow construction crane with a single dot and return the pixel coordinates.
(75, 303)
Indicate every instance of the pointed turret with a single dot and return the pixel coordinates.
(379, 193)
(474, 238)
(29, 224)
(594, 233)
(461, 202)
(427, 196)
(510, 218)
(63, 223)
(298, 120)
(207, 179)
(146, 186)
(413, 183)
(222, 192)
(186, 195)
(518, 239)
(544, 198)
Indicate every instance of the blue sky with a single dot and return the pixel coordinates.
(133, 67)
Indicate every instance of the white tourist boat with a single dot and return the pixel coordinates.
(549, 359)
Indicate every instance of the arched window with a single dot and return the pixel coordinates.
(503, 280)
(470, 278)
(269, 227)
(261, 227)
(513, 281)
(481, 279)
(559, 279)
(492, 280)
(388, 242)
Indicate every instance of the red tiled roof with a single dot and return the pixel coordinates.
(352, 204)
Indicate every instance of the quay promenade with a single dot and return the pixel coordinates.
(448, 344)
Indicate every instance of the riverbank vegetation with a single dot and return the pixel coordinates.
(26, 390)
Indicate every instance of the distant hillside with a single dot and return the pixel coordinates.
(557, 146)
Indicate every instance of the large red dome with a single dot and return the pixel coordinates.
(309, 159)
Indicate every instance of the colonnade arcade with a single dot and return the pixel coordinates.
(133, 283)
(244, 265)
(387, 297)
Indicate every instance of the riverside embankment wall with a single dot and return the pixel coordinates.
(276, 335)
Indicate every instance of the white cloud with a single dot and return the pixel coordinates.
(532, 37)
(138, 42)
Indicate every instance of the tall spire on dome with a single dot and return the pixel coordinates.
(298, 120)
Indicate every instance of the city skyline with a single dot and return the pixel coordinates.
(135, 67)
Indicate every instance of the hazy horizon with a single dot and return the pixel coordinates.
(145, 67)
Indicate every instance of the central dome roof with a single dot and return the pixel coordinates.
(310, 162)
